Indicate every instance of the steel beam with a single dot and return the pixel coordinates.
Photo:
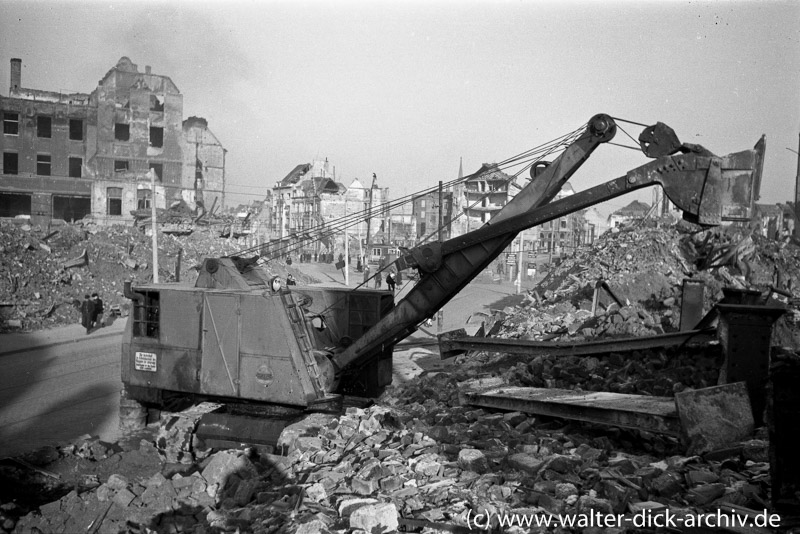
(652, 414)
(450, 346)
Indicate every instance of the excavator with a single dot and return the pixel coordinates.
(243, 341)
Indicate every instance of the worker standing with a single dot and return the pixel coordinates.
(97, 315)
(378, 280)
(87, 313)
(390, 282)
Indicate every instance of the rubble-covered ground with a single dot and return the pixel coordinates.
(420, 459)
(38, 290)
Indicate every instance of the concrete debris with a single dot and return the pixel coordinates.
(83, 258)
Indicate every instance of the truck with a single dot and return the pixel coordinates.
(252, 347)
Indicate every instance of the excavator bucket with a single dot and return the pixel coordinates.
(711, 189)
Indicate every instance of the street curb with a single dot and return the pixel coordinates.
(56, 343)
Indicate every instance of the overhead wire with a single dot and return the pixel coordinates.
(526, 159)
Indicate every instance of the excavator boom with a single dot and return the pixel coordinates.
(707, 188)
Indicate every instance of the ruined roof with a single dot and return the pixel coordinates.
(125, 65)
(634, 208)
(195, 121)
(296, 174)
(489, 171)
(320, 185)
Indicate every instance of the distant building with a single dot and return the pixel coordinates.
(635, 211)
(303, 202)
(480, 197)
(596, 224)
(67, 156)
(775, 221)
(563, 234)
(425, 209)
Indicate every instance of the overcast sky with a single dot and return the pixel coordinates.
(405, 89)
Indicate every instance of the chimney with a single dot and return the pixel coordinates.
(147, 69)
(16, 74)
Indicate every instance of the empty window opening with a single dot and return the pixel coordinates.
(156, 103)
(156, 136)
(10, 163)
(146, 314)
(122, 132)
(71, 209)
(158, 168)
(114, 201)
(44, 127)
(12, 204)
(75, 167)
(43, 164)
(120, 165)
(11, 123)
(76, 129)
(143, 199)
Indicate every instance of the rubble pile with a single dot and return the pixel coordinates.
(661, 372)
(418, 459)
(565, 322)
(44, 274)
(647, 264)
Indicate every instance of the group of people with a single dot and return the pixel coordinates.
(92, 312)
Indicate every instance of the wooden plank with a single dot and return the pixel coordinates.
(652, 414)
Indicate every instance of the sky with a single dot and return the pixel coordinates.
(408, 89)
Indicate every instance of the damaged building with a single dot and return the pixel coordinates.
(69, 156)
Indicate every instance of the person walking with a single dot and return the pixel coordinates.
(87, 313)
(378, 280)
(97, 316)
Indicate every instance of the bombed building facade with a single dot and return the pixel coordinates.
(69, 156)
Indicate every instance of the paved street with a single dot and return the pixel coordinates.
(58, 385)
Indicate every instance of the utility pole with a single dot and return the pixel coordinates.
(154, 223)
(369, 219)
(441, 207)
(797, 195)
(346, 247)
(521, 251)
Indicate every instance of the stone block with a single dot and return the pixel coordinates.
(375, 518)
(392, 483)
(123, 497)
(526, 463)
(225, 465)
(117, 482)
(667, 484)
(473, 460)
(713, 418)
(362, 486)
(316, 492)
(348, 506)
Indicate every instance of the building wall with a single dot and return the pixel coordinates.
(203, 165)
(150, 106)
(43, 156)
(425, 209)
